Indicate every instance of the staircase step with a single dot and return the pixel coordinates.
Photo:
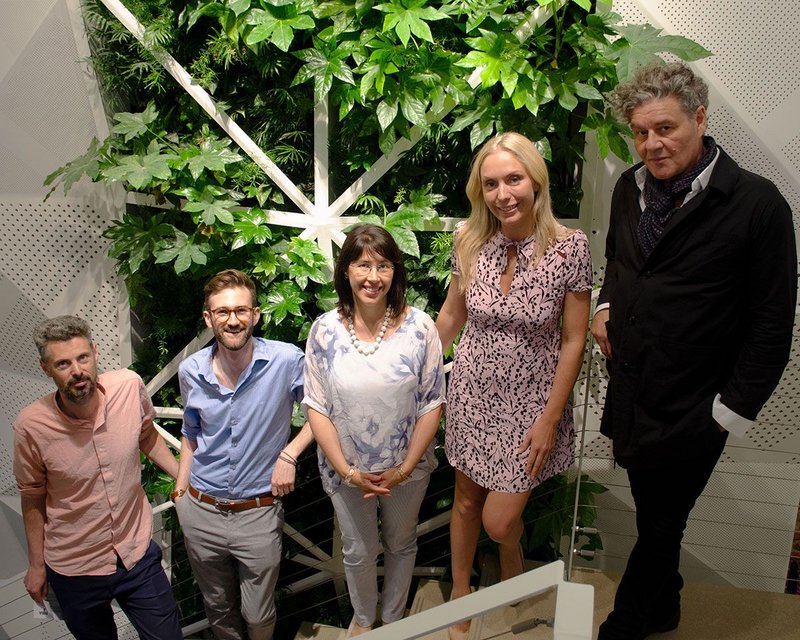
(319, 632)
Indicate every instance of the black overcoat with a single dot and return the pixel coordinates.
(709, 312)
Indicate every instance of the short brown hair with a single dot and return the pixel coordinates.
(60, 329)
(375, 241)
(229, 279)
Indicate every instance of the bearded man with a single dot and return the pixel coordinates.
(238, 397)
(87, 520)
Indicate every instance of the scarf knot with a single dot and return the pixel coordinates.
(660, 197)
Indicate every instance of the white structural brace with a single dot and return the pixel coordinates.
(574, 606)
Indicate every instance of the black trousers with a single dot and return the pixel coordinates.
(649, 592)
(143, 593)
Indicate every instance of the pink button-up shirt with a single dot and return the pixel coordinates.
(90, 473)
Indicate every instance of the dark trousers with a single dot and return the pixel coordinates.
(143, 593)
(649, 593)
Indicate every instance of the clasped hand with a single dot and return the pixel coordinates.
(377, 484)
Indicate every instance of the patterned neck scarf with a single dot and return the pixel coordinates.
(660, 197)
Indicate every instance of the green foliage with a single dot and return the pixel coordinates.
(416, 213)
(391, 68)
(549, 515)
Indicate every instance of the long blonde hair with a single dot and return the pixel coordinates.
(482, 225)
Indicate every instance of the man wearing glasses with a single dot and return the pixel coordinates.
(238, 395)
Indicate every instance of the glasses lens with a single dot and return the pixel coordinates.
(364, 268)
(222, 314)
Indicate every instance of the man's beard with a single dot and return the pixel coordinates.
(233, 342)
(78, 396)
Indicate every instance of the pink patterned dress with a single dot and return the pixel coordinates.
(506, 360)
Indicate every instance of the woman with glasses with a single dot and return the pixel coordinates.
(521, 283)
(374, 388)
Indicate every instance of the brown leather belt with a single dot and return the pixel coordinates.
(232, 505)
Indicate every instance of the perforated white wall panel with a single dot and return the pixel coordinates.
(741, 530)
(53, 256)
(53, 259)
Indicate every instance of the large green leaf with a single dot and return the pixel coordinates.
(279, 31)
(136, 238)
(305, 261)
(284, 298)
(238, 6)
(642, 44)
(326, 297)
(406, 17)
(413, 108)
(184, 251)
(265, 262)
(386, 112)
(322, 68)
(88, 164)
(250, 227)
(139, 171)
(212, 210)
(406, 240)
(493, 53)
(212, 154)
(212, 9)
(586, 5)
(133, 125)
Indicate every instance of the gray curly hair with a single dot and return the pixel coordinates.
(657, 80)
(60, 329)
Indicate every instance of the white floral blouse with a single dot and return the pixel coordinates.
(374, 401)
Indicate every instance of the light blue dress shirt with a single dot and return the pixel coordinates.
(240, 432)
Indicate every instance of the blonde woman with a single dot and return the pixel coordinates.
(521, 283)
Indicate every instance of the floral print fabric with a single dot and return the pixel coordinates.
(506, 360)
(374, 401)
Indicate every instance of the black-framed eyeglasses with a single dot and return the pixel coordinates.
(364, 268)
(221, 314)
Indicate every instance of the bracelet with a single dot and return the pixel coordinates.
(178, 493)
(403, 475)
(348, 479)
(287, 458)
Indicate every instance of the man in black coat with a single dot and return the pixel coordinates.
(695, 318)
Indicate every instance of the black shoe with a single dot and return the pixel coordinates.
(664, 625)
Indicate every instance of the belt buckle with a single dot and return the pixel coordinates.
(222, 504)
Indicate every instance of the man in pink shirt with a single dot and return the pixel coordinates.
(87, 520)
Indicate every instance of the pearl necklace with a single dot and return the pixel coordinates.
(368, 348)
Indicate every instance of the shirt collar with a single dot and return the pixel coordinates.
(261, 351)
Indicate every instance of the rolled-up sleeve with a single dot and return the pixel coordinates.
(431, 377)
(29, 469)
(314, 380)
(191, 414)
